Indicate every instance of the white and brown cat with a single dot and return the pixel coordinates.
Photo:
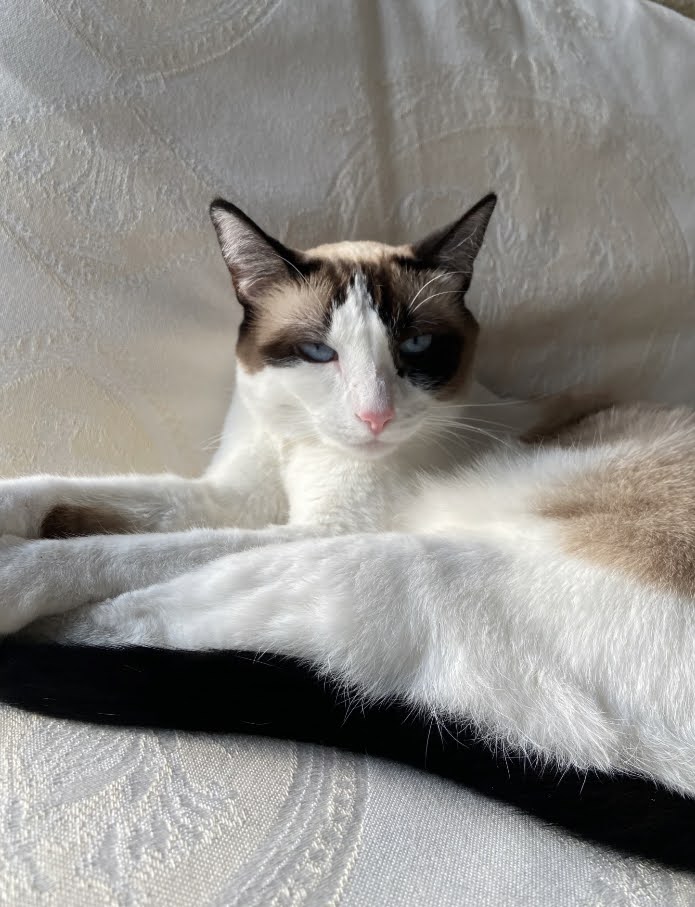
(360, 516)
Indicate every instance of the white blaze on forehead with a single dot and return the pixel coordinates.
(361, 340)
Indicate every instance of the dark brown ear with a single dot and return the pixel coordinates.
(256, 261)
(456, 246)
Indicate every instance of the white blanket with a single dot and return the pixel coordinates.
(119, 122)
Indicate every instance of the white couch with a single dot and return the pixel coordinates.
(119, 121)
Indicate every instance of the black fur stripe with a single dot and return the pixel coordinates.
(242, 692)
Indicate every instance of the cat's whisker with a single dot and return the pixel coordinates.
(443, 431)
(436, 439)
(457, 432)
(438, 276)
(487, 433)
(467, 431)
(512, 402)
(482, 421)
(304, 278)
(474, 406)
(453, 430)
(431, 296)
(462, 419)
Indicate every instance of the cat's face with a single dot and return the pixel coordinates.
(358, 345)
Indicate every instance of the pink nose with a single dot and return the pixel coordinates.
(377, 420)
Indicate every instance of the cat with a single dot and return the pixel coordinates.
(525, 568)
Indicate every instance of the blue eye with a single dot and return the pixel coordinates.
(415, 345)
(316, 352)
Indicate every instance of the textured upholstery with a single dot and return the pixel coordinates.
(119, 121)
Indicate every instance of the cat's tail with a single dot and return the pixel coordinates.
(164, 688)
(269, 695)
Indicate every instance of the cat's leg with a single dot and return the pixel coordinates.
(540, 653)
(52, 576)
(248, 494)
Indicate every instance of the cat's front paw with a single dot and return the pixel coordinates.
(27, 582)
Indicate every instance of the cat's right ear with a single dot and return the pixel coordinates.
(456, 246)
(256, 261)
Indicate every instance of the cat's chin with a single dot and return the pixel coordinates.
(373, 450)
(364, 450)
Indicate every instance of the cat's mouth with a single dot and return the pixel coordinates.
(369, 447)
(373, 447)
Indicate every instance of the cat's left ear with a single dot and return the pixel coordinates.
(256, 261)
(456, 246)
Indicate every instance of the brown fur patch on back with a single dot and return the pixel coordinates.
(66, 521)
(636, 511)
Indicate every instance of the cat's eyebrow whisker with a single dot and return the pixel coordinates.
(437, 276)
(303, 276)
(427, 299)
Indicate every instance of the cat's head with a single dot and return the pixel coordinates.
(357, 344)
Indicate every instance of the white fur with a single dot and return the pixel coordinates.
(366, 363)
(419, 573)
